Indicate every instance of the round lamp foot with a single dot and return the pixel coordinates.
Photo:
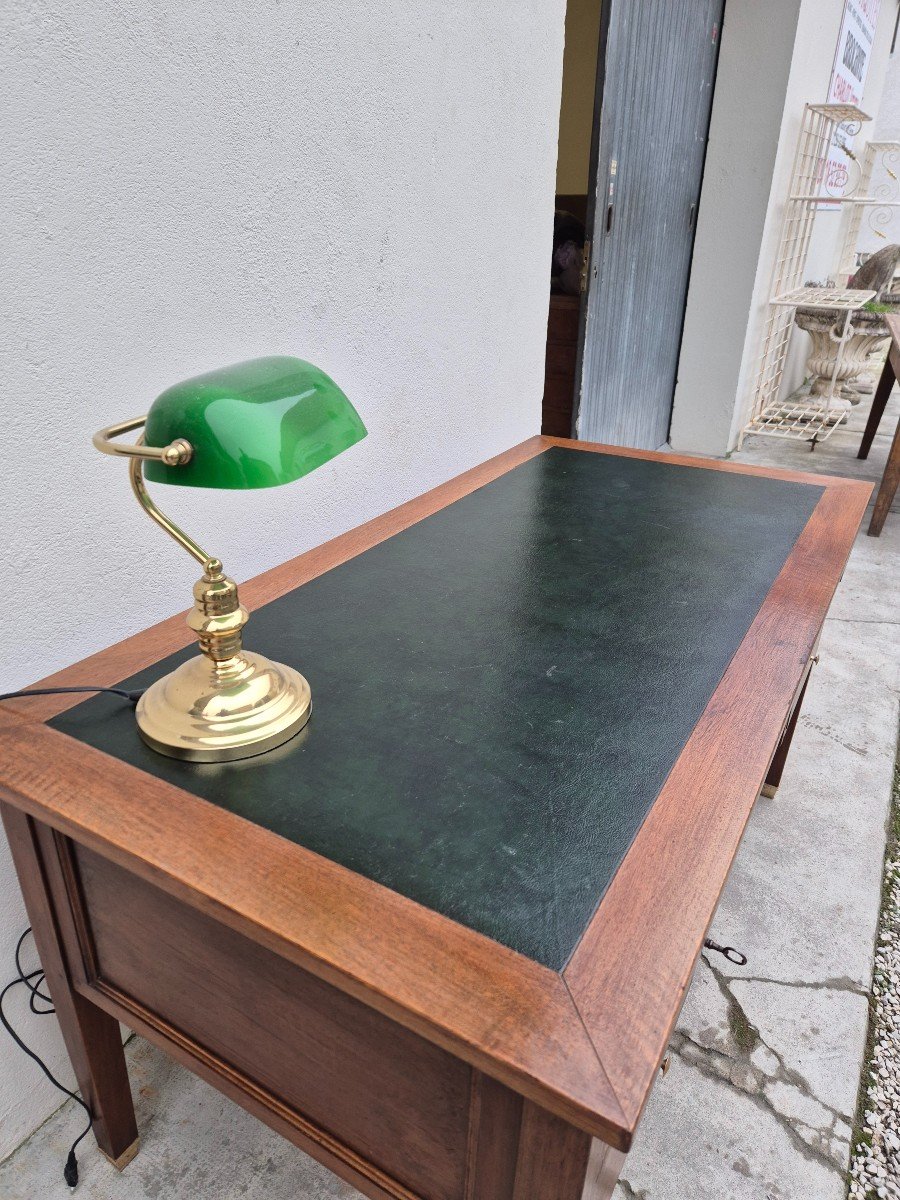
(207, 711)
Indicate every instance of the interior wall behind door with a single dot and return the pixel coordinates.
(576, 110)
(657, 70)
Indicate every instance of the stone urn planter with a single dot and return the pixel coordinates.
(855, 374)
(867, 333)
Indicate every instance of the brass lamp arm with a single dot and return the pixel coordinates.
(212, 565)
(176, 454)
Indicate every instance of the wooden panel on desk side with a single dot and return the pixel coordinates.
(398, 1101)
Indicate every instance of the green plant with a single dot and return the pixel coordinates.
(875, 306)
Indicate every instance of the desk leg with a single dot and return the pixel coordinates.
(553, 1157)
(889, 481)
(879, 403)
(92, 1037)
(519, 1151)
(776, 767)
(603, 1172)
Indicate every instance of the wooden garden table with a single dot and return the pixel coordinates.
(890, 480)
(441, 938)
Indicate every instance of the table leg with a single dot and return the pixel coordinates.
(92, 1037)
(604, 1168)
(519, 1151)
(888, 489)
(553, 1157)
(776, 767)
(879, 403)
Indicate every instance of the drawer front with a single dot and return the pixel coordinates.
(391, 1097)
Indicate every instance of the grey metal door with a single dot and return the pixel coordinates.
(655, 84)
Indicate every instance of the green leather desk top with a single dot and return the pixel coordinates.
(500, 691)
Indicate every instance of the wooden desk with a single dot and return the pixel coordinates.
(891, 477)
(440, 940)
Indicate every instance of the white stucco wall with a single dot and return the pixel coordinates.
(887, 126)
(776, 56)
(748, 107)
(362, 183)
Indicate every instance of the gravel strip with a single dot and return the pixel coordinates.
(875, 1163)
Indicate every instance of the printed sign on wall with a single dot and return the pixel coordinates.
(848, 78)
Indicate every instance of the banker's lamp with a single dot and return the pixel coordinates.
(252, 425)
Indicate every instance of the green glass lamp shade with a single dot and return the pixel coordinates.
(252, 425)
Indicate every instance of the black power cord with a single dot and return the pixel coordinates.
(132, 696)
(33, 981)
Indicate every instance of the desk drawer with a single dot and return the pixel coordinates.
(394, 1099)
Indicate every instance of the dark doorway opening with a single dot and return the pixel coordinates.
(575, 189)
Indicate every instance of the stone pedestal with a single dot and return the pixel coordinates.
(857, 372)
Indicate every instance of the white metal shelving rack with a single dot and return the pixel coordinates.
(810, 420)
(806, 419)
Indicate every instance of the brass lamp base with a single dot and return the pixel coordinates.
(207, 711)
(227, 703)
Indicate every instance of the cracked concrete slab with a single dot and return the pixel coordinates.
(813, 1033)
(803, 1050)
(712, 1141)
(785, 1077)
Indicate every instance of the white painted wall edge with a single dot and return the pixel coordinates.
(747, 117)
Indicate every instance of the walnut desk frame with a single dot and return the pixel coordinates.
(412, 1054)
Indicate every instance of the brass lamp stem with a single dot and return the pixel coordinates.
(148, 505)
(218, 616)
(175, 454)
